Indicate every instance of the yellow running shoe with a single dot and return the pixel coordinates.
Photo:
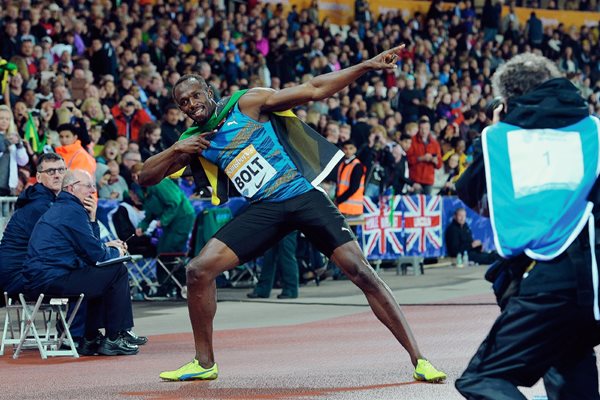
(424, 371)
(190, 371)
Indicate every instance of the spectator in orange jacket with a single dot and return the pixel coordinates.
(129, 117)
(75, 156)
(424, 157)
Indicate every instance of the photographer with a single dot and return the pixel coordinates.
(129, 116)
(542, 162)
(398, 174)
(377, 159)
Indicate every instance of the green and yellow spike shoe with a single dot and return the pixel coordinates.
(191, 371)
(426, 372)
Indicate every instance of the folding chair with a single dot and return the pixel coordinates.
(244, 276)
(172, 264)
(47, 339)
(141, 270)
(9, 324)
(142, 274)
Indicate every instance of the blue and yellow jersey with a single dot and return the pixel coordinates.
(251, 155)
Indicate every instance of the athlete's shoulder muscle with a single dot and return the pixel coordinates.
(251, 103)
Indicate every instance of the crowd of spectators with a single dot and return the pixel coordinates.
(96, 77)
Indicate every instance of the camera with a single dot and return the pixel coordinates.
(491, 106)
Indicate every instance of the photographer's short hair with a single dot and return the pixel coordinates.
(47, 157)
(521, 74)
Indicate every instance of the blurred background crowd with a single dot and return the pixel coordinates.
(95, 77)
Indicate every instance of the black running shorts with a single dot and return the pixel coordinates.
(263, 224)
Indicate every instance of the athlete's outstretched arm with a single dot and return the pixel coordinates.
(319, 87)
(176, 157)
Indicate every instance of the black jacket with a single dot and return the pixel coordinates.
(555, 103)
(458, 238)
(30, 206)
(397, 176)
(63, 240)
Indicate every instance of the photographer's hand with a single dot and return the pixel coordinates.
(497, 112)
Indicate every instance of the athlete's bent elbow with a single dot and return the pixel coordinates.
(147, 179)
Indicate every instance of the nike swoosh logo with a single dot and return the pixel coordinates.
(346, 229)
(232, 123)
(259, 184)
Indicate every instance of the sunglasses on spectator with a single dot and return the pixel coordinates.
(130, 104)
(53, 171)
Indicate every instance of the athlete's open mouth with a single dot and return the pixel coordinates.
(200, 112)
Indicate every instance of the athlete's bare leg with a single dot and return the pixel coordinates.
(351, 260)
(215, 258)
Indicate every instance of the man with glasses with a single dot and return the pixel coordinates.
(30, 206)
(61, 261)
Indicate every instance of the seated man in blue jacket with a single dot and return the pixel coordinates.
(61, 261)
(30, 206)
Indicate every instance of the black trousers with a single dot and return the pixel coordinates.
(543, 335)
(481, 257)
(106, 290)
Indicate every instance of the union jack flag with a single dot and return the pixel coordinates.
(423, 224)
(382, 233)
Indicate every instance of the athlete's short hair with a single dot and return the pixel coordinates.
(189, 77)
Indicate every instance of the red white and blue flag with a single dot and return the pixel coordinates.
(382, 233)
(423, 225)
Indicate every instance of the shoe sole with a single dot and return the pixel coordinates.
(117, 352)
(138, 343)
(421, 378)
(207, 378)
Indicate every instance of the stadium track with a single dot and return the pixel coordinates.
(324, 345)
